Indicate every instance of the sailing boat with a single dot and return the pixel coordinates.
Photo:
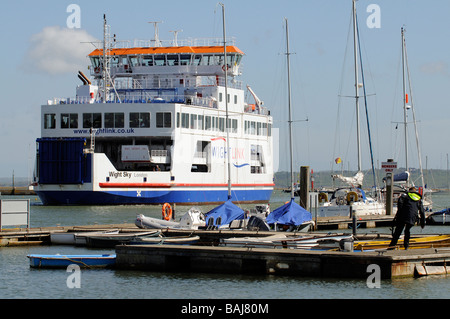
(353, 197)
(290, 216)
(228, 211)
(402, 181)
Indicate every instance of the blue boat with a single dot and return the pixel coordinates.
(291, 216)
(62, 261)
(224, 214)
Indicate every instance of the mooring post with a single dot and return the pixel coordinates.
(304, 187)
(353, 220)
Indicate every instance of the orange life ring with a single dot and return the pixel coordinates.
(167, 211)
(352, 197)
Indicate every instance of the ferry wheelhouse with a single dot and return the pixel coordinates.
(152, 129)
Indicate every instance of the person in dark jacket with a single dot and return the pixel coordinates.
(409, 208)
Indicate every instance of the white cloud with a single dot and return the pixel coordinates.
(57, 50)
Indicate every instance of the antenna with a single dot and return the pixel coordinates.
(175, 37)
(156, 40)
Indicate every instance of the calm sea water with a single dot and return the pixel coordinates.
(18, 280)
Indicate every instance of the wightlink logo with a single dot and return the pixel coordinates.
(236, 153)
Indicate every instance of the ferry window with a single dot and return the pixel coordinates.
(264, 129)
(92, 120)
(49, 121)
(220, 97)
(147, 60)
(139, 120)
(205, 60)
(208, 123)
(252, 128)
(216, 60)
(95, 62)
(184, 120)
(160, 60)
(197, 59)
(258, 128)
(172, 60)
(114, 120)
(185, 59)
(114, 62)
(69, 120)
(257, 155)
(269, 129)
(200, 122)
(238, 59)
(164, 119)
(134, 60)
(222, 124)
(234, 127)
(194, 121)
(229, 57)
(235, 99)
(178, 119)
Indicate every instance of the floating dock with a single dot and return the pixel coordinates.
(41, 235)
(209, 257)
(294, 262)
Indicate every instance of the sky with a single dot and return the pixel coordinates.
(42, 50)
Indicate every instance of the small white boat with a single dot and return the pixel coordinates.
(193, 219)
(80, 238)
(75, 238)
(111, 240)
(282, 240)
(162, 240)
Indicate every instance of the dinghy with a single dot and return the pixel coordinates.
(193, 219)
(163, 240)
(75, 238)
(111, 240)
(282, 240)
(63, 261)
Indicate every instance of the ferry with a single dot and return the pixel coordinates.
(149, 126)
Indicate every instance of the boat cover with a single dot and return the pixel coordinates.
(227, 212)
(290, 213)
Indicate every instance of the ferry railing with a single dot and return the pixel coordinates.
(174, 83)
(139, 43)
(149, 98)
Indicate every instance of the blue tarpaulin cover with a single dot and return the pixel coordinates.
(227, 211)
(290, 213)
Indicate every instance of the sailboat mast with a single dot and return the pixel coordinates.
(290, 113)
(225, 68)
(105, 57)
(405, 114)
(355, 52)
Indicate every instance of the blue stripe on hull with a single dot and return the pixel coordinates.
(151, 197)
